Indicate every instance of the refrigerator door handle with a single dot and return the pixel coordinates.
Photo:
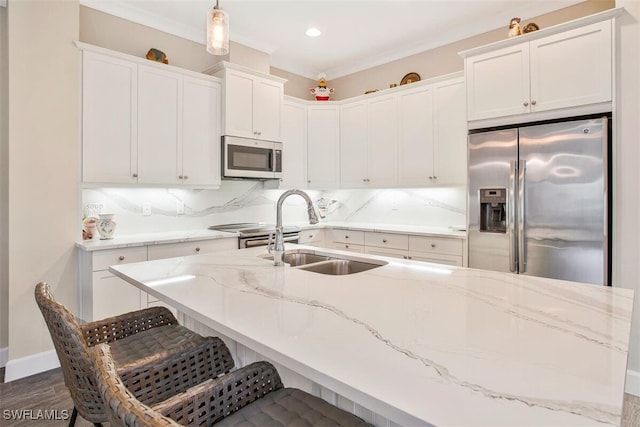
(511, 216)
(522, 168)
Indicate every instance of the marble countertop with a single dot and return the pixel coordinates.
(177, 236)
(141, 239)
(420, 343)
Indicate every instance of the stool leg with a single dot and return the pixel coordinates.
(74, 415)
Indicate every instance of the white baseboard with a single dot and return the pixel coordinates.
(30, 365)
(632, 385)
(4, 356)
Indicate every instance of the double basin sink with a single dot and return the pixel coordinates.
(323, 263)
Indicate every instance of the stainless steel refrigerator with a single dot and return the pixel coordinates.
(539, 200)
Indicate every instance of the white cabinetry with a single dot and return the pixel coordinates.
(148, 123)
(178, 129)
(432, 134)
(387, 244)
(346, 240)
(566, 69)
(323, 146)
(102, 294)
(312, 237)
(109, 119)
(368, 142)
(252, 102)
(294, 139)
(440, 250)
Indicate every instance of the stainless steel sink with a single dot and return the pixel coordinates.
(338, 267)
(327, 263)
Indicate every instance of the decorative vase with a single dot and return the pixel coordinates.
(106, 226)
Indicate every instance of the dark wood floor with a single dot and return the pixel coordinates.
(46, 391)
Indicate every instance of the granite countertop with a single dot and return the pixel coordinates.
(418, 343)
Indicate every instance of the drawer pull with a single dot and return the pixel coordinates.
(346, 246)
(384, 240)
(197, 249)
(121, 257)
(433, 245)
(346, 237)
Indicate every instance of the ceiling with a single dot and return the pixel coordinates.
(356, 34)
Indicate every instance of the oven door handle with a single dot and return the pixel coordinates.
(264, 242)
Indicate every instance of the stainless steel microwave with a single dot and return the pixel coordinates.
(251, 158)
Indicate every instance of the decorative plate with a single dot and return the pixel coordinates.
(410, 78)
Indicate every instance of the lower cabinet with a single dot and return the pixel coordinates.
(313, 237)
(103, 294)
(440, 250)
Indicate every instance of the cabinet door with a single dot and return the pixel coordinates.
(415, 137)
(498, 83)
(382, 141)
(267, 109)
(170, 250)
(450, 133)
(323, 146)
(159, 126)
(353, 144)
(294, 139)
(238, 111)
(113, 296)
(109, 119)
(200, 133)
(572, 68)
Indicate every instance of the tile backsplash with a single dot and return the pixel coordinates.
(249, 201)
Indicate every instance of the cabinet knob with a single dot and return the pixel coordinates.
(197, 249)
(346, 237)
(179, 176)
(308, 181)
(404, 256)
(433, 245)
(135, 175)
(384, 240)
(121, 258)
(430, 178)
(409, 257)
(364, 180)
(435, 177)
(526, 104)
(186, 177)
(346, 246)
(534, 102)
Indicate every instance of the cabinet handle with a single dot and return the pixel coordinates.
(409, 257)
(179, 176)
(308, 181)
(197, 249)
(384, 240)
(135, 175)
(121, 258)
(186, 177)
(526, 104)
(435, 177)
(364, 180)
(430, 178)
(433, 245)
(346, 246)
(534, 102)
(346, 237)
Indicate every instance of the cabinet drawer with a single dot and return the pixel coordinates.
(437, 258)
(347, 236)
(314, 235)
(439, 245)
(170, 250)
(347, 247)
(386, 240)
(388, 252)
(103, 259)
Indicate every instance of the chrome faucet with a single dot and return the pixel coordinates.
(278, 247)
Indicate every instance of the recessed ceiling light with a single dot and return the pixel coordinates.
(313, 32)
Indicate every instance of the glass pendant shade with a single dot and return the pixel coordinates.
(217, 32)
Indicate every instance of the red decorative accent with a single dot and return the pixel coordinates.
(322, 98)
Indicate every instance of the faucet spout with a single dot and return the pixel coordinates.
(278, 247)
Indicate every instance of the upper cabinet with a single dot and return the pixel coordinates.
(555, 72)
(252, 102)
(109, 119)
(147, 123)
(294, 143)
(323, 146)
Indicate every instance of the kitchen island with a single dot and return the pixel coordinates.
(413, 343)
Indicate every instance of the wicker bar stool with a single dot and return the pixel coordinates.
(250, 396)
(157, 358)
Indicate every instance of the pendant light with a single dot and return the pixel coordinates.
(217, 31)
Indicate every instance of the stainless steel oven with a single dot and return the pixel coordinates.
(257, 234)
(251, 158)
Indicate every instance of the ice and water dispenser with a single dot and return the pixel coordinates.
(493, 210)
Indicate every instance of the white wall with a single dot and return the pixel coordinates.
(4, 174)
(43, 191)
